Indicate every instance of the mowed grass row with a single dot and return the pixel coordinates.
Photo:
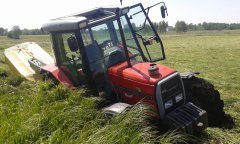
(42, 40)
(216, 57)
(214, 54)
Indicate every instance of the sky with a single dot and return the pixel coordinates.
(33, 13)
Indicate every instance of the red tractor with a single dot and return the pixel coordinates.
(113, 50)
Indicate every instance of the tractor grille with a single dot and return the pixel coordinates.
(170, 94)
(169, 90)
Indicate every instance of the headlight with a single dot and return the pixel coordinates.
(179, 97)
(168, 104)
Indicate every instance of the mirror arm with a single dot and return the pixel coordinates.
(166, 10)
(148, 8)
(157, 4)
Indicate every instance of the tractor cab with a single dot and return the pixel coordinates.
(86, 44)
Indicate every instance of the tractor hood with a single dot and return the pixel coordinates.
(139, 72)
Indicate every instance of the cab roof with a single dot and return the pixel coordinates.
(83, 19)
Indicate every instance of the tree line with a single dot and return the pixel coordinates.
(182, 26)
(15, 32)
(161, 27)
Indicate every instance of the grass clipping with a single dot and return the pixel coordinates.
(41, 113)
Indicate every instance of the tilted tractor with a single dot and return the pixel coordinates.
(113, 50)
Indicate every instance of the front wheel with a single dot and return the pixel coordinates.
(203, 94)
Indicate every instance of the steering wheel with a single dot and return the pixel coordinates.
(106, 44)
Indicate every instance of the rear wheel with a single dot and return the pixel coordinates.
(203, 94)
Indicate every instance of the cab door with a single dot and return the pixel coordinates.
(146, 33)
(68, 57)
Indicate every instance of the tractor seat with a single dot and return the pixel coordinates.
(113, 56)
(93, 52)
(94, 56)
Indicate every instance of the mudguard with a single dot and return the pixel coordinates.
(188, 75)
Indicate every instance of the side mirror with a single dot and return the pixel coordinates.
(163, 11)
(72, 43)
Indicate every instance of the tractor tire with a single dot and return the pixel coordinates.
(203, 94)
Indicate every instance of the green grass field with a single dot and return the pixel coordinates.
(216, 56)
(38, 113)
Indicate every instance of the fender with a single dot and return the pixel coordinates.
(188, 75)
(57, 73)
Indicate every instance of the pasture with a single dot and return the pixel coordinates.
(24, 118)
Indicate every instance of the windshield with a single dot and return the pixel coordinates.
(104, 41)
(146, 34)
(133, 49)
(108, 42)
